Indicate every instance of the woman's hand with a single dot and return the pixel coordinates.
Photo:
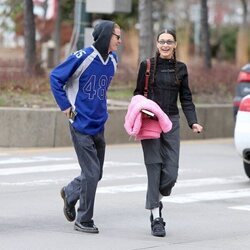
(197, 128)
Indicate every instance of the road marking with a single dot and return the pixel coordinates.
(208, 196)
(109, 177)
(122, 189)
(17, 160)
(34, 183)
(244, 207)
(37, 169)
(181, 184)
(181, 199)
(209, 181)
(59, 167)
(65, 180)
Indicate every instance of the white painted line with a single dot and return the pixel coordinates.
(66, 180)
(37, 169)
(17, 160)
(53, 168)
(34, 183)
(243, 207)
(181, 184)
(208, 196)
(122, 189)
(119, 164)
(209, 181)
(110, 177)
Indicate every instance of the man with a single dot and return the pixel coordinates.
(79, 86)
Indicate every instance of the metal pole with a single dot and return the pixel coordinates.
(85, 19)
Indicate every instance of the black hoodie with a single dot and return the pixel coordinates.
(102, 34)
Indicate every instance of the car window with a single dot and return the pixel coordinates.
(243, 88)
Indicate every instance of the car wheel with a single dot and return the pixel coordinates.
(247, 168)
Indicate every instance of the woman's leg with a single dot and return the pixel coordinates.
(153, 163)
(152, 158)
(170, 148)
(153, 174)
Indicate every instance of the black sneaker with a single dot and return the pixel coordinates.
(86, 227)
(158, 227)
(69, 210)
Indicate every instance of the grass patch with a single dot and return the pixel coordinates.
(122, 94)
(26, 99)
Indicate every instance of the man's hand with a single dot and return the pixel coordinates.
(67, 112)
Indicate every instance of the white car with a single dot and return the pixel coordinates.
(242, 133)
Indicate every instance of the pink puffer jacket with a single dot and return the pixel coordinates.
(145, 128)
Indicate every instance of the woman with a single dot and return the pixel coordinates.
(168, 81)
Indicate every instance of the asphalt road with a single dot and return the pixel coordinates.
(209, 207)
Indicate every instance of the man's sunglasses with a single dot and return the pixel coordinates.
(117, 36)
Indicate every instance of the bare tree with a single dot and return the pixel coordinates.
(244, 7)
(29, 37)
(146, 29)
(243, 38)
(57, 34)
(205, 36)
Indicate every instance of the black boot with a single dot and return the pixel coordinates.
(69, 210)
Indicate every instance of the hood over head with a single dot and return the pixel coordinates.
(102, 34)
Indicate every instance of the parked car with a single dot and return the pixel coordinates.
(242, 132)
(242, 88)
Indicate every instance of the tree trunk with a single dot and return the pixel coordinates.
(146, 29)
(205, 37)
(183, 35)
(57, 35)
(243, 39)
(29, 38)
(244, 7)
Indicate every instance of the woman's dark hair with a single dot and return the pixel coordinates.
(168, 31)
(157, 54)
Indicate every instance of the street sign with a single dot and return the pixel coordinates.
(108, 6)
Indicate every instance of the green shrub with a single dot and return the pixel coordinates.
(223, 42)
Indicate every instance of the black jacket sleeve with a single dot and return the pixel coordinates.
(187, 104)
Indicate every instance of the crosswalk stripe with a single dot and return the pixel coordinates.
(181, 184)
(243, 207)
(209, 181)
(208, 196)
(122, 189)
(18, 160)
(58, 167)
(65, 180)
(34, 183)
(181, 199)
(37, 169)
